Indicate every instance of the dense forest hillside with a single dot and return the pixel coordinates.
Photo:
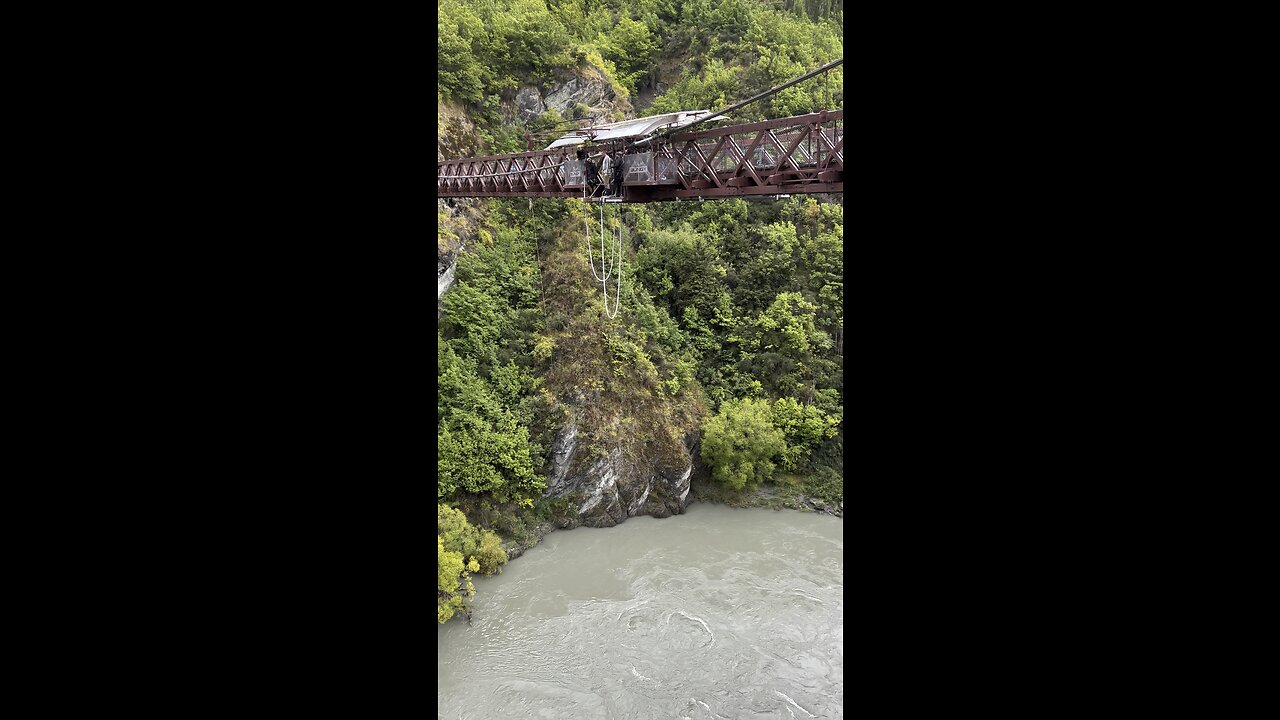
(722, 374)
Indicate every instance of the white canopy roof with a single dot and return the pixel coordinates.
(638, 128)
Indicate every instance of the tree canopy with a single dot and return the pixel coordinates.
(740, 443)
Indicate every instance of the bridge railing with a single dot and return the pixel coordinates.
(804, 153)
(536, 172)
(791, 151)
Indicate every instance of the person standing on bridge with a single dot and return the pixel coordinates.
(617, 174)
(590, 173)
(606, 165)
(582, 158)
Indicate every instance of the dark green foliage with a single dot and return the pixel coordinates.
(776, 326)
(629, 45)
(804, 427)
(825, 484)
(461, 38)
(483, 448)
(713, 87)
(486, 313)
(531, 38)
(486, 378)
(682, 269)
(739, 48)
(730, 308)
(488, 47)
(767, 269)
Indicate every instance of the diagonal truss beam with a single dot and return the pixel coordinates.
(718, 162)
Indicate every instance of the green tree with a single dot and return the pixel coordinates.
(489, 555)
(787, 326)
(531, 39)
(740, 442)
(712, 88)
(454, 586)
(461, 550)
(629, 45)
(804, 427)
(681, 269)
(769, 268)
(783, 346)
(470, 542)
(461, 39)
(657, 15)
(482, 445)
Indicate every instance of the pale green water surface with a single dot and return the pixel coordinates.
(717, 613)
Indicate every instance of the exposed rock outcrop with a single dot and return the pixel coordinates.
(456, 134)
(588, 86)
(607, 489)
(529, 103)
(446, 264)
(457, 222)
(563, 451)
(671, 494)
(591, 90)
(458, 218)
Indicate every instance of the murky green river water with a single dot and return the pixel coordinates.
(717, 613)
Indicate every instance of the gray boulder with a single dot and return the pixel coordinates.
(529, 103)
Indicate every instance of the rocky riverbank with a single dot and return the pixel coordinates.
(516, 548)
(782, 495)
(700, 490)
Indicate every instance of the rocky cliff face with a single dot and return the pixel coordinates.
(608, 488)
(445, 266)
(588, 87)
(457, 220)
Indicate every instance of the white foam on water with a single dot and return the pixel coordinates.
(797, 591)
(704, 626)
(793, 702)
(708, 707)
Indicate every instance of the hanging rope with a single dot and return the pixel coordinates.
(617, 254)
(586, 221)
(611, 268)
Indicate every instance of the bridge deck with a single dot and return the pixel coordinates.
(794, 155)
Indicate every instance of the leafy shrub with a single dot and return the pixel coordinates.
(740, 442)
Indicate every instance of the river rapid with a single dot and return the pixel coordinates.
(717, 613)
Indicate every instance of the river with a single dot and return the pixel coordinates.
(716, 613)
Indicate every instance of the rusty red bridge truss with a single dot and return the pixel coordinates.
(801, 154)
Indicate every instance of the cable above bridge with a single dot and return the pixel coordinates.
(663, 158)
(793, 155)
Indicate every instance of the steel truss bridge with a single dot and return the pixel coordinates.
(785, 156)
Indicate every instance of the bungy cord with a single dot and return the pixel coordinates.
(610, 269)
